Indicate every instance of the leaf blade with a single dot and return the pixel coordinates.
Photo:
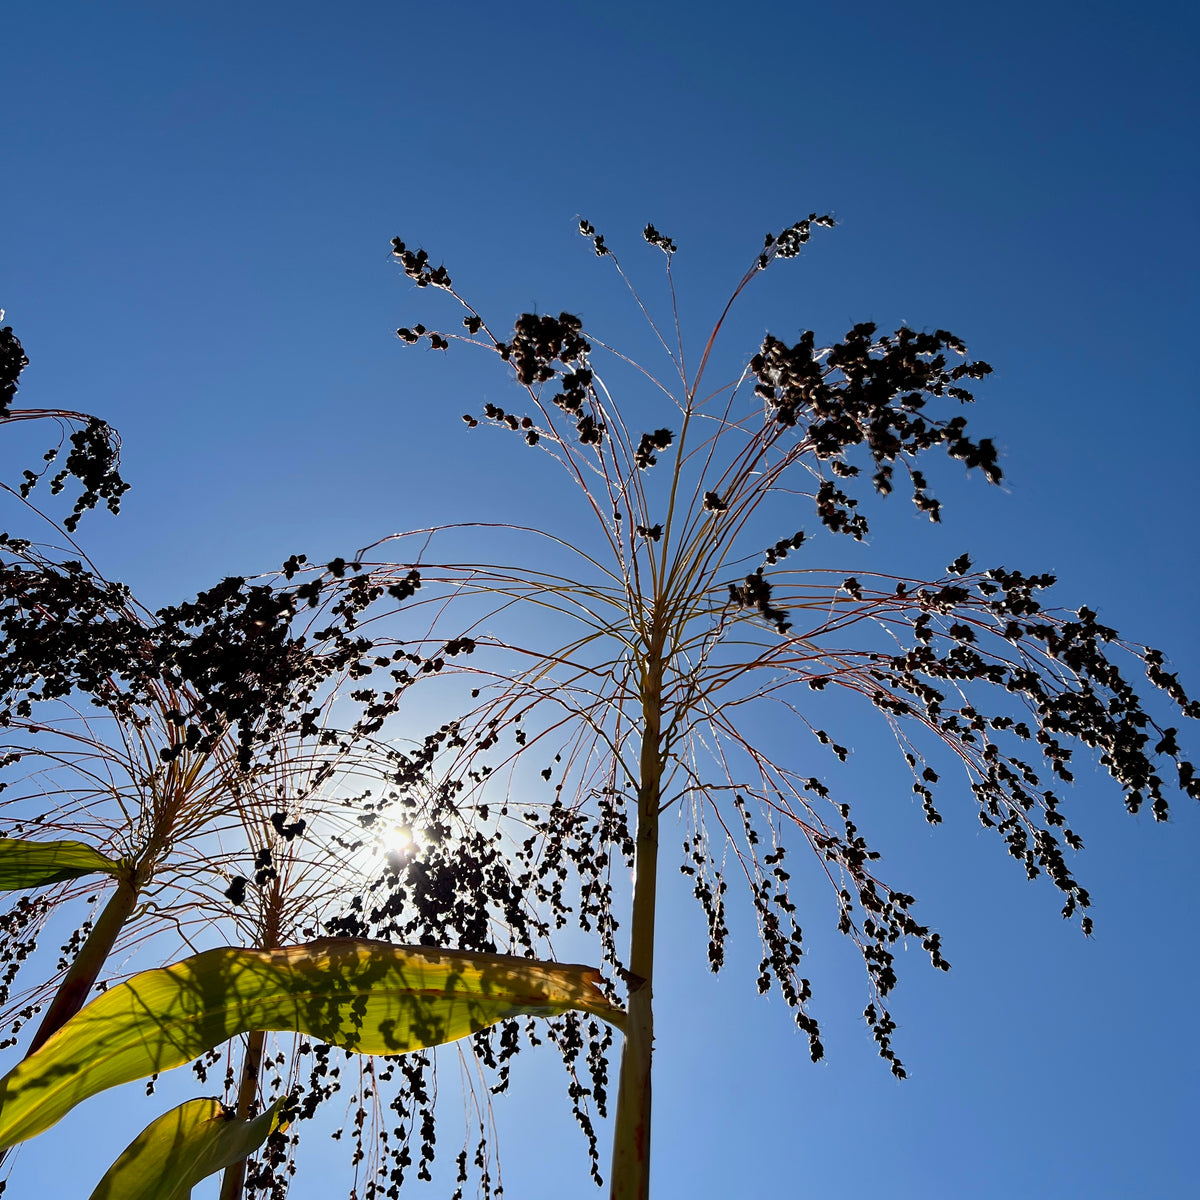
(366, 996)
(182, 1147)
(25, 863)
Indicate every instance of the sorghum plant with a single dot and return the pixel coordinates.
(208, 762)
(193, 756)
(621, 665)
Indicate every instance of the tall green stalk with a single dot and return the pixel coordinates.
(631, 1139)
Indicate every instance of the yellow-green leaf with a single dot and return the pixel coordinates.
(29, 864)
(182, 1147)
(370, 997)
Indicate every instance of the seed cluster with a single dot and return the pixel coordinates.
(94, 457)
(872, 391)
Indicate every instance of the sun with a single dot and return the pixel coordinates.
(397, 839)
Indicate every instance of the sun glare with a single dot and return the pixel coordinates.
(396, 839)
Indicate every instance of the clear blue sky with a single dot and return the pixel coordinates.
(195, 213)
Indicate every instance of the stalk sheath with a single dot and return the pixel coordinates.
(73, 992)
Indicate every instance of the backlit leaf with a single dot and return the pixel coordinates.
(367, 996)
(182, 1147)
(29, 864)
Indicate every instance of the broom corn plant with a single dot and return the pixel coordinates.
(690, 609)
(160, 751)
(180, 743)
(232, 766)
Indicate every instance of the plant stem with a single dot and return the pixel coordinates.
(73, 992)
(235, 1176)
(631, 1136)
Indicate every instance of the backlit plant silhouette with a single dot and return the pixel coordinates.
(238, 758)
(622, 666)
(216, 765)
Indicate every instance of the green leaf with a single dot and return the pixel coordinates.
(189, 1143)
(370, 997)
(28, 864)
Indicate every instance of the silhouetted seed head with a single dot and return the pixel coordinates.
(93, 458)
(287, 831)
(657, 239)
(591, 431)
(406, 587)
(644, 456)
(13, 361)
(416, 266)
(539, 341)
(588, 230)
(293, 564)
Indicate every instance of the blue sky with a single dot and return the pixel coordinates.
(194, 232)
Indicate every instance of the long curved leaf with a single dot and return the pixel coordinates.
(182, 1147)
(370, 997)
(29, 864)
